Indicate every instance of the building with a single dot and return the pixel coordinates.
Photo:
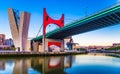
(116, 44)
(2, 39)
(98, 47)
(19, 28)
(9, 42)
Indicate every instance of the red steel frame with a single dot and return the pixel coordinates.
(48, 20)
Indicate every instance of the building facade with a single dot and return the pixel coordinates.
(9, 42)
(2, 39)
(116, 44)
(19, 28)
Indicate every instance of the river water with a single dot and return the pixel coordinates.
(72, 64)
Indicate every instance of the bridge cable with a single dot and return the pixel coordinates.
(39, 30)
(49, 26)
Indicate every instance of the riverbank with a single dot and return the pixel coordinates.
(113, 54)
(14, 54)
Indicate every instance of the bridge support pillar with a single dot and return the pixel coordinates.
(35, 46)
(55, 43)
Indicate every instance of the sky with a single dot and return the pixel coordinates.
(72, 9)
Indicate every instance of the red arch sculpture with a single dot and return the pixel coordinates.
(48, 20)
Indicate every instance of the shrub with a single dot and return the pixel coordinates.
(13, 48)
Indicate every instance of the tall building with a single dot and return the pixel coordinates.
(19, 27)
(2, 39)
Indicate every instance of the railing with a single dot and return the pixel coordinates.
(101, 10)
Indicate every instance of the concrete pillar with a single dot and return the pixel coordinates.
(41, 48)
(35, 46)
(28, 46)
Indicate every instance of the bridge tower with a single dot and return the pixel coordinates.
(46, 43)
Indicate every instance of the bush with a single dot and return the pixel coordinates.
(114, 48)
(81, 49)
(13, 48)
(6, 48)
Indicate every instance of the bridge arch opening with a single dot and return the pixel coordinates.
(51, 27)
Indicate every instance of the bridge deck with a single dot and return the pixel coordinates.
(108, 17)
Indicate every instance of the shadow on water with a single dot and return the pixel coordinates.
(72, 64)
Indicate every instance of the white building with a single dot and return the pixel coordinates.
(19, 26)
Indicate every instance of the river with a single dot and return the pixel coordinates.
(72, 64)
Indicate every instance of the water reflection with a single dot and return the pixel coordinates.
(59, 65)
(49, 65)
(2, 65)
(6, 66)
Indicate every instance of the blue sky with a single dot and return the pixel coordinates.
(72, 9)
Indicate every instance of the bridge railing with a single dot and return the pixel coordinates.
(98, 11)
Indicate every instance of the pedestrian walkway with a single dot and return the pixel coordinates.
(39, 53)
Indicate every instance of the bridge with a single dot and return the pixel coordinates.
(101, 19)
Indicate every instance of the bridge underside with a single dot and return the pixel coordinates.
(99, 20)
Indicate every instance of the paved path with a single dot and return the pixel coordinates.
(13, 53)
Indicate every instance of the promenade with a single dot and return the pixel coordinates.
(14, 53)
